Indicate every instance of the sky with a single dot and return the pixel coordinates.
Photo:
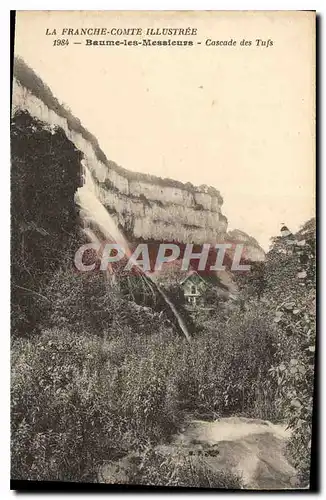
(239, 118)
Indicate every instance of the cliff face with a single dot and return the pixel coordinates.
(164, 213)
(144, 206)
(252, 250)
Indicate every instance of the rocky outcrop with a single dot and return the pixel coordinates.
(252, 250)
(144, 206)
(164, 213)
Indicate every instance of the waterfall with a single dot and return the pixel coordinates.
(93, 211)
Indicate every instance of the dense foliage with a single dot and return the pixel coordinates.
(42, 239)
(284, 289)
(179, 469)
(290, 273)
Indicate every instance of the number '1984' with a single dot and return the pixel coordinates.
(60, 41)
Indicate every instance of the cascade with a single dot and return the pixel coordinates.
(93, 211)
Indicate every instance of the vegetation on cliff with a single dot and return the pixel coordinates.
(44, 220)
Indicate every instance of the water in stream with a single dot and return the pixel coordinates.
(253, 449)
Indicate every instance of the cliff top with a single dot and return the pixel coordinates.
(27, 77)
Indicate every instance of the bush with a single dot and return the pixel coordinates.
(180, 470)
(59, 415)
(77, 400)
(227, 368)
(88, 302)
(291, 291)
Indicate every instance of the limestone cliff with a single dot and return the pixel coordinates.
(144, 206)
(252, 249)
(154, 211)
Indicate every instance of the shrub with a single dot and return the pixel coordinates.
(227, 368)
(292, 295)
(88, 302)
(59, 415)
(181, 470)
(78, 399)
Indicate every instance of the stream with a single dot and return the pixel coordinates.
(252, 448)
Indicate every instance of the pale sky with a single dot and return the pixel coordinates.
(238, 118)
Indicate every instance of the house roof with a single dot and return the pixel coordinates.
(190, 275)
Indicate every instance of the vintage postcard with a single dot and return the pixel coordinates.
(163, 249)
